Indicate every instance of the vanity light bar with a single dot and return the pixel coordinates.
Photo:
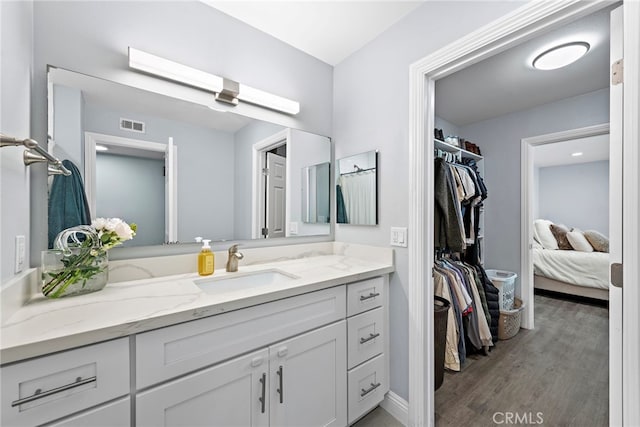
(174, 71)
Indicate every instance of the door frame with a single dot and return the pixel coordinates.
(258, 201)
(91, 139)
(526, 202)
(522, 24)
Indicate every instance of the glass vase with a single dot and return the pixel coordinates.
(75, 271)
(77, 265)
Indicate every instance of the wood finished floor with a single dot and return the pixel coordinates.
(560, 369)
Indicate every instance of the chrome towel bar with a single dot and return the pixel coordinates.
(35, 154)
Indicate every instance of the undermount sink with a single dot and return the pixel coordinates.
(243, 281)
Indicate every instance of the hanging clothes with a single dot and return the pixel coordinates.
(471, 322)
(449, 229)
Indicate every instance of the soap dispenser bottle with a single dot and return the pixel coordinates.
(205, 259)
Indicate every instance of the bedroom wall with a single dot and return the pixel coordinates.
(500, 142)
(576, 195)
(371, 111)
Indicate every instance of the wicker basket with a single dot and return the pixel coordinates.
(509, 323)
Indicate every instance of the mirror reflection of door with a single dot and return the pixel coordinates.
(275, 193)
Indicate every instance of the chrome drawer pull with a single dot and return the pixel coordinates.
(262, 399)
(369, 338)
(39, 394)
(364, 392)
(371, 295)
(281, 389)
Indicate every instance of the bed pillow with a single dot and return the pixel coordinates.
(559, 232)
(542, 233)
(599, 241)
(578, 241)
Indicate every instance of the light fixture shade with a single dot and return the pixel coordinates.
(560, 56)
(170, 70)
(174, 71)
(275, 102)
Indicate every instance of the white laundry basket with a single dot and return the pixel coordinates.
(505, 281)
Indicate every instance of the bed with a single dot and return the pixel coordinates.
(572, 272)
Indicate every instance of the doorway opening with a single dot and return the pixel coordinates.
(270, 191)
(522, 25)
(152, 201)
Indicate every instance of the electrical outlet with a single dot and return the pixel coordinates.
(20, 251)
(399, 236)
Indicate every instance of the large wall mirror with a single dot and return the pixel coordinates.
(357, 189)
(180, 170)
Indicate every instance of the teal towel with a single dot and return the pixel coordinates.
(68, 204)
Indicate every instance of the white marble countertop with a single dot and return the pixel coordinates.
(45, 326)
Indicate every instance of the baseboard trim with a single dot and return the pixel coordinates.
(397, 407)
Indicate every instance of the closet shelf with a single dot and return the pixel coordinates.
(444, 146)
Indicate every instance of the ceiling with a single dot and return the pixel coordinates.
(332, 30)
(507, 82)
(329, 30)
(593, 149)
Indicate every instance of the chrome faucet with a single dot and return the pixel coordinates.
(232, 260)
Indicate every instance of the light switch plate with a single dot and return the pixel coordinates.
(20, 251)
(399, 236)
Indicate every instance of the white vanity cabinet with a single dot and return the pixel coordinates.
(298, 382)
(308, 383)
(233, 393)
(367, 345)
(47, 388)
(303, 377)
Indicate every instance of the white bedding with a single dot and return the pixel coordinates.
(590, 269)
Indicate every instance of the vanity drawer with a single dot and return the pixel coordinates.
(50, 387)
(367, 385)
(365, 336)
(176, 350)
(364, 295)
(117, 413)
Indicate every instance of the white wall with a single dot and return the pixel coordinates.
(92, 38)
(67, 125)
(371, 111)
(576, 195)
(16, 44)
(500, 141)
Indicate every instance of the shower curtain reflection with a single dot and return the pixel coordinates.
(359, 196)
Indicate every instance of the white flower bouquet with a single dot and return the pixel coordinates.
(81, 266)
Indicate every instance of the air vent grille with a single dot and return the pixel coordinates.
(131, 125)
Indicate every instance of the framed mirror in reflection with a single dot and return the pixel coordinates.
(357, 189)
(177, 169)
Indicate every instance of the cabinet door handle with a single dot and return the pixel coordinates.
(369, 338)
(280, 389)
(262, 399)
(371, 295)
(39, 394)
(364, 392)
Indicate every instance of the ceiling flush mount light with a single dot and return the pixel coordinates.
(560, 56)
(225, 90)
(577, 154)
(101, 148)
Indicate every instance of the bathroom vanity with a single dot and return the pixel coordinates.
(311, 349)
